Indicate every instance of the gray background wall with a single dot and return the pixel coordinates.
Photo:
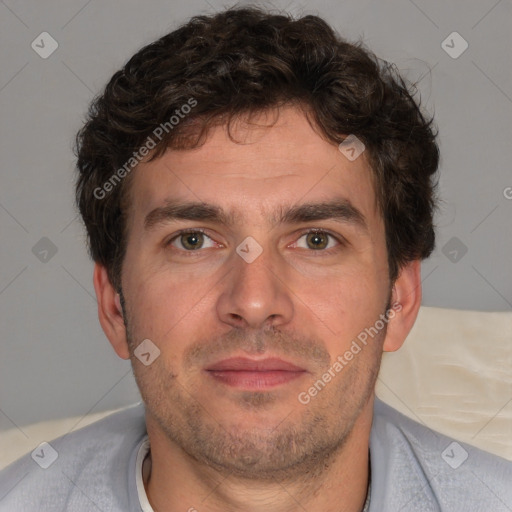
(55, 360)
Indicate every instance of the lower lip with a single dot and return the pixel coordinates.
(252, 380)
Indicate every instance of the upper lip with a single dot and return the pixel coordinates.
(252, 365)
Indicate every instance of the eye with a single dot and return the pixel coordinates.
(191, 240)
(317, 240)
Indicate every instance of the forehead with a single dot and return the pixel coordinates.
(276, 160)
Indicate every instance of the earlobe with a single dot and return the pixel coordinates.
(405, 304)
(110, 312)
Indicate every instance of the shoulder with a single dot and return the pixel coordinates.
(416, 468)
(79, 470)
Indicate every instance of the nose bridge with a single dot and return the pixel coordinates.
(258, 274)
(255, 294)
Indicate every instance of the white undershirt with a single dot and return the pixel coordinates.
(141, 491)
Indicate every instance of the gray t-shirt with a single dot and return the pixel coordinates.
(413, 469)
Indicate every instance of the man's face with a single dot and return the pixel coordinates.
(302, 300)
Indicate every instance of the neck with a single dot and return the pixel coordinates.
(178, 483)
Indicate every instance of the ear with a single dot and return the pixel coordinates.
(405, 301)
(110, 312)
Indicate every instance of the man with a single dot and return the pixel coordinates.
(257, 192)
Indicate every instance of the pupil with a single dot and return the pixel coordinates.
(317, 240)
(192, 240)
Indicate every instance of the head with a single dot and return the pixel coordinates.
(229, 128)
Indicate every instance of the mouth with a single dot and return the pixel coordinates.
(254, 375)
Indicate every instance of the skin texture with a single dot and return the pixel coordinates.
(217, 447)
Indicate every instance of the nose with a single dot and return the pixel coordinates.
(255, 295)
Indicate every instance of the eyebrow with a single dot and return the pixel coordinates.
(339, 210)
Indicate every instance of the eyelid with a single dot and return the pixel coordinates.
(184, 231)
(340, 239)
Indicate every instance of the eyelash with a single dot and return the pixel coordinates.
(338, 238)
(184, 232)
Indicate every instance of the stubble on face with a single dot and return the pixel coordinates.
(298, 444)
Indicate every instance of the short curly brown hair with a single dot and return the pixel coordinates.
(241, 61)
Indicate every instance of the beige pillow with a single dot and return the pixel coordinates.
(454, 374)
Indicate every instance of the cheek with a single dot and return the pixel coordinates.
(344, 308)
(346, 296)
(168, 308)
